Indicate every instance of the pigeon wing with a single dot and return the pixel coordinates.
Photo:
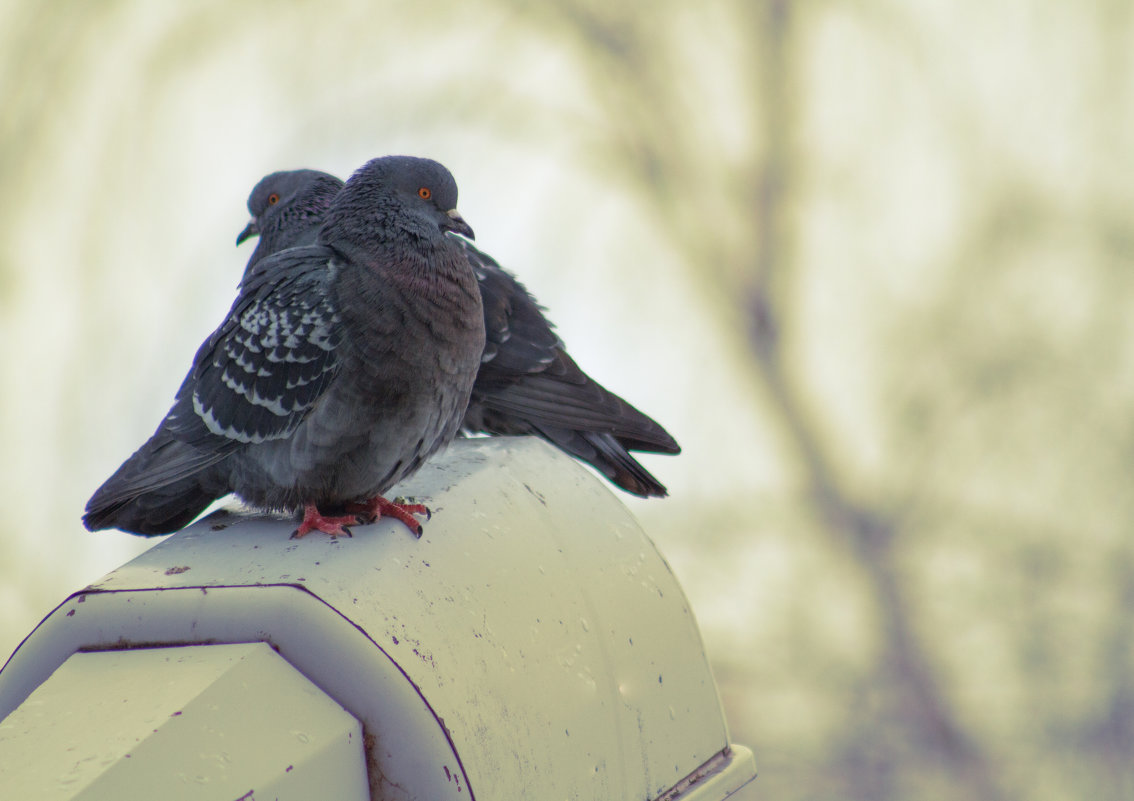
(519, 340)
(259, 374)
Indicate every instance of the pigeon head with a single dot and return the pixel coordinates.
(414, 195)
(287, 198)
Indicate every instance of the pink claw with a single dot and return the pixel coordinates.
(314, 521)
(378, 507)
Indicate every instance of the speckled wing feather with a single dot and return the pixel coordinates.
(252, 380)
(257, 376)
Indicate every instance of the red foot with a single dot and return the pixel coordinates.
(313, 521)
(378, 507)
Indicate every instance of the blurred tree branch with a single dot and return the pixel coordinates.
(633, 72)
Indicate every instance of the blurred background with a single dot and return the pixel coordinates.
(869, 262)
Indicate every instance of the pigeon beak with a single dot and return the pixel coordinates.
(250, 230)
(458, 225)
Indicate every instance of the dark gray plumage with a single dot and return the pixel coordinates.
(340, 368)
(527, 384)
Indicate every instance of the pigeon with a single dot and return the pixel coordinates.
(287, 210)
(341, 367)
(527, 383)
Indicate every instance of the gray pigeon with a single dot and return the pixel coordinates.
(342, 366)
(287, 210)
(527, 384)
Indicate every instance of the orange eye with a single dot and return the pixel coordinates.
(425, 193)
(273, 199)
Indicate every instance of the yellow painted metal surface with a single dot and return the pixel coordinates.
(195, 722)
